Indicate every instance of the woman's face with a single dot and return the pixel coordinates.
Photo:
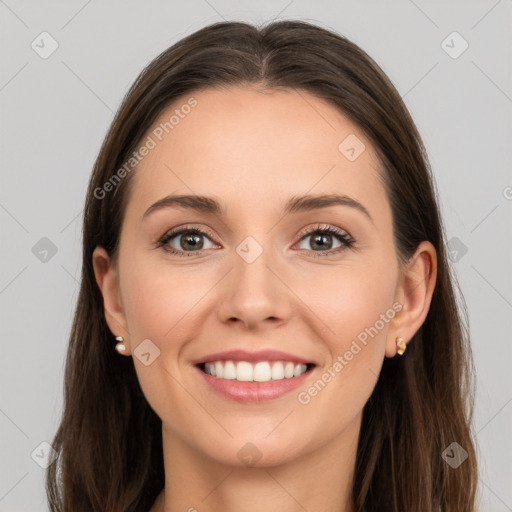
(281, 166)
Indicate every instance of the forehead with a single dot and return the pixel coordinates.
(254, 145)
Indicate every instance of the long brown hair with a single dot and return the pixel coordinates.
(109, 441)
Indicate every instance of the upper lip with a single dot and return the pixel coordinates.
(243, 355)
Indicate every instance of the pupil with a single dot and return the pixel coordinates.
(196, 243)
(324, 239)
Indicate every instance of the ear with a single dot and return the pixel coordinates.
(107, 279)
(414, 293)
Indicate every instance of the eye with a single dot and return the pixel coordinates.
(325, 239)
(185, 240)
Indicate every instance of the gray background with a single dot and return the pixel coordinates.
(55, 113)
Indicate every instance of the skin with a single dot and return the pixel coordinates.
(252, 149)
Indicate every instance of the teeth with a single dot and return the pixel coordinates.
(297, 371)
(277, 371)
(263, 371)
(244, 371)
(230, 370)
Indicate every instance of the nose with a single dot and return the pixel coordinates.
(255, 294)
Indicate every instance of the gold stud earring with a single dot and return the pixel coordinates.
(400, 343)
(120, 346)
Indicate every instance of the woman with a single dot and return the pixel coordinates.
(263, 247)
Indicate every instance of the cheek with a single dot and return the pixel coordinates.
(358, 316)
(351, 301)
(161, 300)
(356, 309)
(162, 304)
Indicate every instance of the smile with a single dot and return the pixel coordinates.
(256, 382)
(261, 371)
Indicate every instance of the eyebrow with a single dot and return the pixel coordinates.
(295, 204)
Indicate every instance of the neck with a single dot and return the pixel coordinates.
(319, 480)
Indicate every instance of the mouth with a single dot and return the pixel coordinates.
(253, 377)
(254, 382)
(258, 371)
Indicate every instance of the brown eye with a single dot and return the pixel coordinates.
(185, 241)
(325, 241)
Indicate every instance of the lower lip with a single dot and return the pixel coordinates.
(253, 392)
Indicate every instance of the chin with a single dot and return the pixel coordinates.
(255, 451)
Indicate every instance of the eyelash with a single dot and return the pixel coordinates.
(346, 240)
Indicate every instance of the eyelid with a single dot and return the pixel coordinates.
(205, 230)
(324, 227)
